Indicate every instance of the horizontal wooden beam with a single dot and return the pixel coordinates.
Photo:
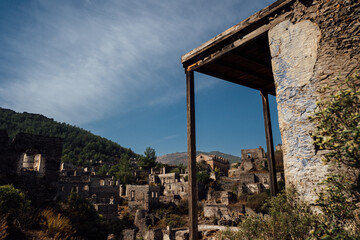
(229, 47)
(247, 66)
(235, 70)
(251, 36)
(257, 17)
(253, 59)
(214, 72)
(255, 63)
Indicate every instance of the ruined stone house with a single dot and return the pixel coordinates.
(31, 163)
(214, 162)
(96, 188)
(174, 185)
(143, 197)
(253, 159)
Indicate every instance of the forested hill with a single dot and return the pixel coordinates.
(80, 147)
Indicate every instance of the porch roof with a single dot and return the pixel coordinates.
(241, 54)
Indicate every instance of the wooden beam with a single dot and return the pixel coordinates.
(264, 61)
(253, 19)
(230, 47)
(246, 69)
(269, 144)
(239, 42)
(193, 195)
(249, 61)
(214, 70)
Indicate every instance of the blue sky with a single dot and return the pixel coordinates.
(113, 67)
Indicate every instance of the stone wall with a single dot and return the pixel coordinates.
(109, 211)
(176, 188)
(32, 163)
(73, 184)
(101, 189)
(142, 196)
(213, 162)
(318, 42)
(252, 153)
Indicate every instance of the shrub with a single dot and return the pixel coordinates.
(183, 207)
(256, 201)
(175, 221)
(288, 218)
(337, 119)
(338, 131)
(86, 221)
(228, 235)
(16, 208)
(12, 200)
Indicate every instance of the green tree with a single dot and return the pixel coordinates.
(149, 160)
(12, 200)
(203, 177)
(103, 170)
(122, 171)
(85, 219)
(15, 211)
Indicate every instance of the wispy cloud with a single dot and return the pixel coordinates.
(78, 61)
(163, 139)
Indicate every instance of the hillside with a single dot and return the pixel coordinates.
(80, 147)
(181, 157)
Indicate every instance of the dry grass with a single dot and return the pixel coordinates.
(56, 225)
(3, 228)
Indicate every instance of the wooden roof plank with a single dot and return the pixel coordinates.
(244, 81)
(237, 28)
(242, 75)
(247, 38)
(236, 69)
(230, 47)
(248, 65)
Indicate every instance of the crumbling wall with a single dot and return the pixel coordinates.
(213, 162)
(32, 163)
(142, 196)
(73, 184)
(176, 188)
(252, 153)
(50, 149)
(318, 42)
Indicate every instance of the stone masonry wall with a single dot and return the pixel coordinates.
(40, 182)
(319, 41)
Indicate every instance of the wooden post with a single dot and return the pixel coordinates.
(269, 144)
(193, 211)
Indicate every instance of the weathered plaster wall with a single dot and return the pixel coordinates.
(320, 41)
(293, 49)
